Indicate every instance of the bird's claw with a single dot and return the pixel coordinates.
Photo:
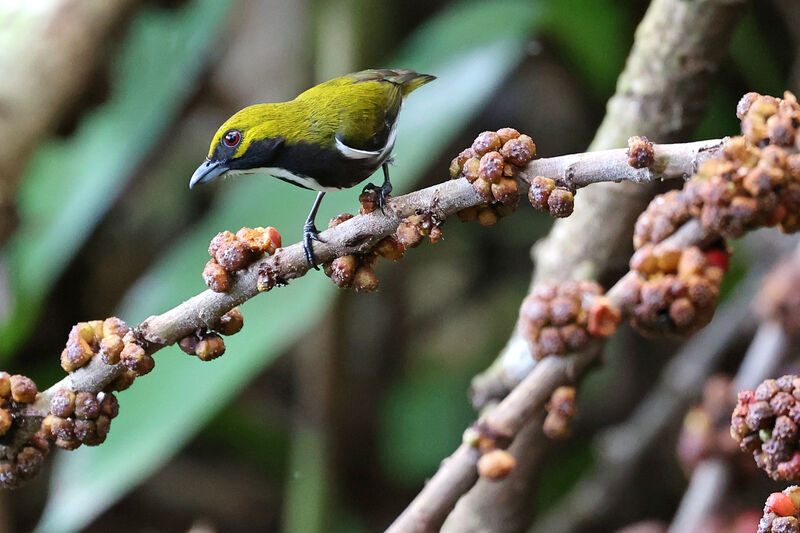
(383, 193)
(310, 233)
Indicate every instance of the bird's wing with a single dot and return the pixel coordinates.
(354, 153)
(367, 127)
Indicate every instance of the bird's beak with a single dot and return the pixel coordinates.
(208, 171)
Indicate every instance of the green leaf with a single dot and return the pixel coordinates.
(595, 36)
(421, 424)
(764, 74)
(71, 183)
(166, 408)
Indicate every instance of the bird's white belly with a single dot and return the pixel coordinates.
(303, 181)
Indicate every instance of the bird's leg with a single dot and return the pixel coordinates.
(383, 190)
(310, 231)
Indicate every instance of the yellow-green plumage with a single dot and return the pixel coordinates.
(357, 106)
(330, 137)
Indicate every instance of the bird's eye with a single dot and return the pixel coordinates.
(232, 138)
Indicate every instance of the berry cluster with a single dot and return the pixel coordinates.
(663, 216)
(491, 164)
(230, 253)
(206, 343)
(412, 230)
(15, 392)
(557, 318)
(561, 409)
(545, 195)
(674, 291)
(495, 462)
(781, 512)
(103, 337)
(355, 271)
(706, 431)
(114, 341)
(25, 465)
(79, 418)
(755, 182)
(765, 422)
(779, 297)
(640, 152)
(747, 189)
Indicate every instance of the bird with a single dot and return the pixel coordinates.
(333, 136)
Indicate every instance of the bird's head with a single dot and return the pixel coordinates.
(242, 143)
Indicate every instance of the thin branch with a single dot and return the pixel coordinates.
(662, 94)
(509, 417)
(704, 494)
(359, 234)
(458, 472)
(621, 449)
(711, 477)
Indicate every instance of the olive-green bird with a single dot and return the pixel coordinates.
(333, 136)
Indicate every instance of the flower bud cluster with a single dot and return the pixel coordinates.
(355, 271)
(79, 418)
(495, 462)
(491, 164)
(206, 343)
(765, 423)
(706, 427)
(561, 409)
(781, 512)
(24, 466)
(412, 230)
(665, 214)
(545, 195)
(557, 318)
(370, 200)
(640, 152)
(230, 253)
(103, 337)
(675, 291)
(14, 390)
(779, 297)
(755, 182)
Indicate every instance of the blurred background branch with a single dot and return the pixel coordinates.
(662, 94)
(331, 418)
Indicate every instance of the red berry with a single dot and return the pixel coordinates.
(781, 504)
(717, 258)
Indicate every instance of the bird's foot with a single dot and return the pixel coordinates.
(383, 192)
(310, 233)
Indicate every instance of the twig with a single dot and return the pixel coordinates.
(711, 477)
(357, 235)
(662, 94)
(429, 509)
(621, 449)
(705, 492)
(458, 472)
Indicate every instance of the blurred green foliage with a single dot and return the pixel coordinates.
(172, 403)
(71, 183)
(473, 47)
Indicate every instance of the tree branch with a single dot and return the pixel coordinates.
(359, 234)
(662, 94)
(514, 413)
